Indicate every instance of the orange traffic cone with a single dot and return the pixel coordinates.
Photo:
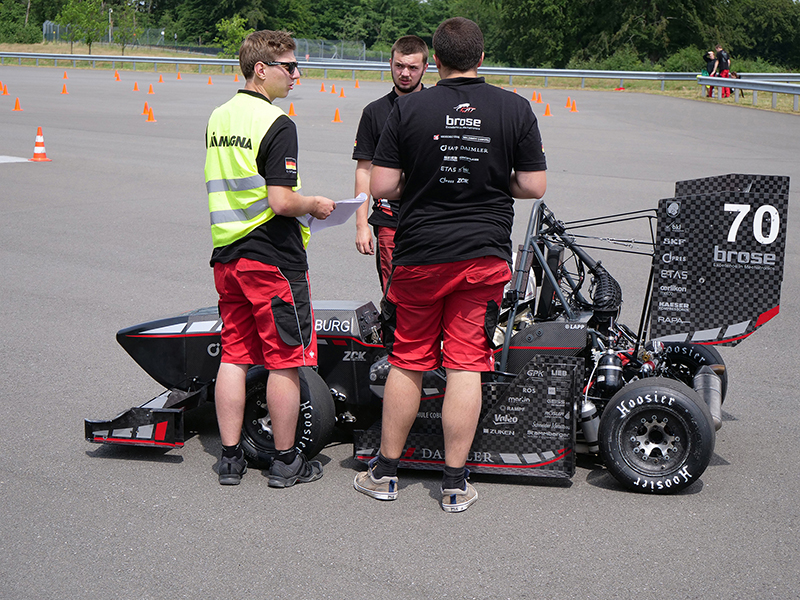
(337, 118)
(236, 78)
(573, 109)
(39, 155)
(515, 90)
(356, 85)
(533, 96)
(150, 118)
(568, 102)
(333, 88)
(116, 74)
(322, 87)
(179, 76)
(341, 93)
(298, 82)
(64, 89)
(146, 108)
(150, 91)
(209, 80)
(135, 86)
(17, 106)
(160, 79)
(65, 75)
(291, 110)
(539, 98)
(547, 111)
(5, 90)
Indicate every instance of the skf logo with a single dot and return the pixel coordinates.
(291, 164)
(464, 108)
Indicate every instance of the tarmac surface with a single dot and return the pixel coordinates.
(114, 231)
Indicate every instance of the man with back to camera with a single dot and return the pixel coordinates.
(259, 258)
(409, 61)
(456, 155)
(723, 69)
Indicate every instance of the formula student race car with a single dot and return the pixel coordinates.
(569, 376)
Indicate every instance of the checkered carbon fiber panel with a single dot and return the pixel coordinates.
(527, 426)
(720, 255)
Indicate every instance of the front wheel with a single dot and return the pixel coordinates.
(314, 425)
(656, 435)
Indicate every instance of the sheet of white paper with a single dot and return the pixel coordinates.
(343, 211)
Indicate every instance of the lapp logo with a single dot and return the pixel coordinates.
(464, 108)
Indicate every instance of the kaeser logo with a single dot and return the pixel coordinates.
(464, 108)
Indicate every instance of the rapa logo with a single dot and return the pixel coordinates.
(464, 108)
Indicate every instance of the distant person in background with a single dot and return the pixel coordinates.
(708, 70)
(723, 68)
(409, 61)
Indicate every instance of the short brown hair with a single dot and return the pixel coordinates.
(263, 46)
(458, 43)
(410, 44)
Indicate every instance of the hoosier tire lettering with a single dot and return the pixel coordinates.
(656, 436)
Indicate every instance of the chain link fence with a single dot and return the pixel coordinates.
(311, 50)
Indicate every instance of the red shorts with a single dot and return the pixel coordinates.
(385, 251)
(440, 314)
(266, 316)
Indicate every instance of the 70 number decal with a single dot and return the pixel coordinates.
(758, 222)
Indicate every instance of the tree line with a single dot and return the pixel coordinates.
(611, 34)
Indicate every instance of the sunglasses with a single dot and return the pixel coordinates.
(289, 66)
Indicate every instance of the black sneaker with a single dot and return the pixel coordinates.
(231, 470)
(301, 470)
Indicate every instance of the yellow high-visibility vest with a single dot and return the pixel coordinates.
(237, 192)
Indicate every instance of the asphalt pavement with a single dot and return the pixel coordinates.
(114, 231)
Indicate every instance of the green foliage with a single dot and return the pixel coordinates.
(126, 28)
(84, 19)
(631, 34)
(687, 60)
(12, 24)
(231, 34)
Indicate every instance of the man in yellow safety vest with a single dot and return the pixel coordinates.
(259, 258)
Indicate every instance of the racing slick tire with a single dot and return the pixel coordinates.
(685, 359)
(656, 436)
(314, 425)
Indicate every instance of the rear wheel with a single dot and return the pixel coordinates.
(656, 435)
(684, 360)
(314, 425)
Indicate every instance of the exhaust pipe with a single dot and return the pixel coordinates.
(709, 385)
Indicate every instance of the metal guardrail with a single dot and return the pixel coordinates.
(766, 82)
(755, 86)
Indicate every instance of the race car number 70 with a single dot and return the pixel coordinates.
(758, 220)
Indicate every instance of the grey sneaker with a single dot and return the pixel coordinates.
(459, 500)
(384, 488)
(231, 470)
(301, 470)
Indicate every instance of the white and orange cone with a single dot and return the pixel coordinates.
(39, 154)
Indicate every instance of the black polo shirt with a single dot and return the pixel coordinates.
(457, 144)
(373, 118)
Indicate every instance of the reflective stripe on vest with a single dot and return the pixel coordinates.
(237, 193)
